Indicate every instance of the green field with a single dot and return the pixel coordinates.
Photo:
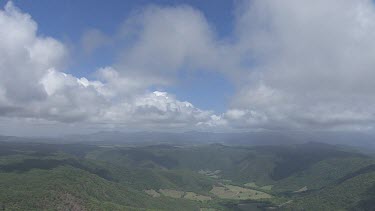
(238, 193)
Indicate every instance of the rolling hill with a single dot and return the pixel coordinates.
(82, 176)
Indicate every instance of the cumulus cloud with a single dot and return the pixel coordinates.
(314, 62)
(24, 57)
(30, 85)
(156, 110)
(33, 89)
(295, 64)
(164, 41)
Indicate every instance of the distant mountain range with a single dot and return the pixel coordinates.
(363, 141)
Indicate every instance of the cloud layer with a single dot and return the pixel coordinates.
(315, 63)
(295, 64)
(32, 87)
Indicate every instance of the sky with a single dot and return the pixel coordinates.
(222, 66)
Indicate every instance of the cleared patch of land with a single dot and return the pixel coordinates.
(285, 203)
(267, 187)
(152, 193)
(209, 173)
(172, 193)
(255, 186)
(236, 192)
(196, 197)
(251, 185)
(178, 194)
(301, 190)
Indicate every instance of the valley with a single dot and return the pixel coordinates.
(80, 176)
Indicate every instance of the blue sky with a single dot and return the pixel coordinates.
(69, 18)
(67, 21)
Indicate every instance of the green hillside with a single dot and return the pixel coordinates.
(309, 176)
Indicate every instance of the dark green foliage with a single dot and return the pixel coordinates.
(344, 196)
(366, 204)
(48, 164)
(76, 176)
(322, 173)
(364, 170)
(297, 158)
(139, 156)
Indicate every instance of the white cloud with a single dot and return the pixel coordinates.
(156, 110)
(33, 88)
(295, 65)
(314, 62)
(24, 57)
(164, 41)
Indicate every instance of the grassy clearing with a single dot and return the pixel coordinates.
(152, 193)
(267, 187)
(179, 194)
(172, 193)
(196, 197)
(236, 192)
(209, 173)
(301, 190)
(251, 185)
